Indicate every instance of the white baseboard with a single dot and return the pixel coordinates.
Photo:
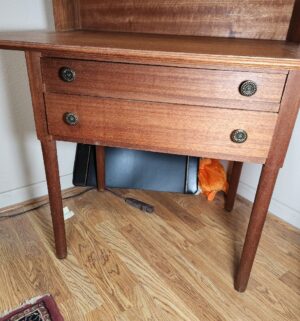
(23, 194)
(26, 193)
(278, 208)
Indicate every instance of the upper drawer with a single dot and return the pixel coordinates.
(216, 88)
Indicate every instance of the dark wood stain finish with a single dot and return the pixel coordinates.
(282, 135)
(195, 131)
(165, 84)
(100, 161)
(294, 29)
(157, 99)
(66, 14)
(257, 220)
(54, 191)
(262, 19)
(233, 185)
(286, 120)
(36, 89)
(159, 49)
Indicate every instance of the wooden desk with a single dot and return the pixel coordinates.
(208, 97)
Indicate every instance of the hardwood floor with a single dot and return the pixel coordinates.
(175, 265)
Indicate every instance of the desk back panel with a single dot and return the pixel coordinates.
(256, 19)
(264, 19)
(66, 14)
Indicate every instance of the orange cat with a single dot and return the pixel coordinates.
(212, 177)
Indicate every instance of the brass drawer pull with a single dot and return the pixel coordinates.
(71, 119)
(248, 88)
(239, 136)
(67, 74)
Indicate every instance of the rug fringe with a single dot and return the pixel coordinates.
(28, 302)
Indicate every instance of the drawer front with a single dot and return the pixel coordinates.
(214, 88)
(178, 129)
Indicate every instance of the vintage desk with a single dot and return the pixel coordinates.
(175, 90)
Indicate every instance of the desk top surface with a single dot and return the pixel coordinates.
(185, 49)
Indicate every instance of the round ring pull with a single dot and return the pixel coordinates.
(248, 88)
(239, 136)
(71, 119)
(67, 74)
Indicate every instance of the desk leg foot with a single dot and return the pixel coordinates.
(100, 161)
(55, 199)
(233, 185)
(258, 216)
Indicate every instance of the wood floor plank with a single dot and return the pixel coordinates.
(175, 265)
(76, 279)
(167, 216)
(282, 313)
(146, 307)
(71, 311)
(291, 280)
(113, 280)
(29, 261)
(166, 270)
(236, 224)
(262, 288)
(200, 281)
(154, 285)
(129, 315)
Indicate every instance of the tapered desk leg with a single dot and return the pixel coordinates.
(258, 216)
(54, 191)
(100, 160)
(233, 185)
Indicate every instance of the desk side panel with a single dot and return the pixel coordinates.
(286, 120)
(33, 61)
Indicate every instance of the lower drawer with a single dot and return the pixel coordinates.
(177, 129)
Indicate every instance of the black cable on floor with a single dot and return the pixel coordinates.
(130, 201)
(5, 217)
(142, 206)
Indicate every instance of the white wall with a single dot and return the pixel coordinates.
(21, 166)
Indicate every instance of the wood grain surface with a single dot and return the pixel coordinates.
(294, 29)
(111, 259)
(178, 129)
(55, 199)
(116, 292)
(264, 19)
(286, 120)
(214, 88)
(33, 62)
(234, 180)
(159, 49)
(100, 162)
(39, 201)
(282, 135)
(66, 14)
(258, 216)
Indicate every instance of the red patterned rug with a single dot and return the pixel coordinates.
(38, 309)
